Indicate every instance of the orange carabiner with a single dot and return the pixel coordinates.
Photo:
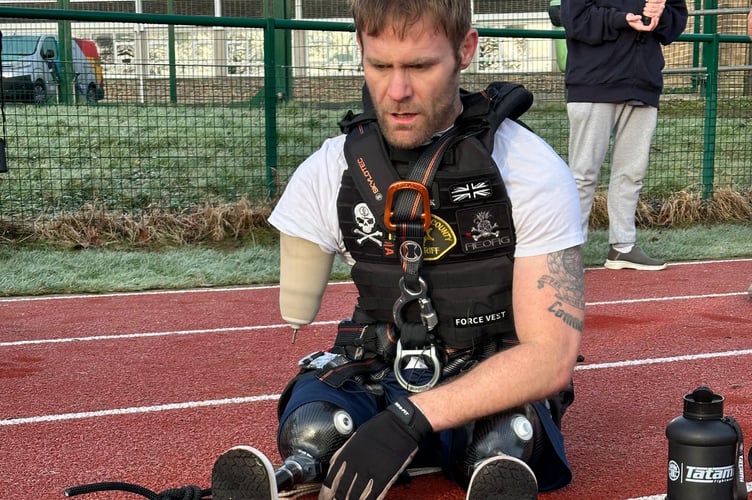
(422, 194)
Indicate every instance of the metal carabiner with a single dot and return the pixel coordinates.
(423, 198)
(432, 359)
(427, 313)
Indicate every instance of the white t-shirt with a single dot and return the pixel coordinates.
(545, 203)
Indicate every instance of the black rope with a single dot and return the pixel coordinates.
(185, 493)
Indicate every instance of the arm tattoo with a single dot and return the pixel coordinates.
(567, 277)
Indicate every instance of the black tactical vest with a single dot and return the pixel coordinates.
(468, 249)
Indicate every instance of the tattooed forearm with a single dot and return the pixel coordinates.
(570, 320)
(567, 278)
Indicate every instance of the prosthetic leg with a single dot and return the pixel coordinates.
(308, 438)
(497, 457)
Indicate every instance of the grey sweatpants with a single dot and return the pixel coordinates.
(591, 127)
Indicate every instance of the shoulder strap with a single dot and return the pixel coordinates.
(366, 153)
(487, 109)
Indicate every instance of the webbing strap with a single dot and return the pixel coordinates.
(364, 151)
(740, 485)
(408, 204)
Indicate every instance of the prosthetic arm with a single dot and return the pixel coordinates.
(304, 271)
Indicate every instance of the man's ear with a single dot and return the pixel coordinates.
(468, 47)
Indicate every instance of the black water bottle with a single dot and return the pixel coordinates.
(703, 450)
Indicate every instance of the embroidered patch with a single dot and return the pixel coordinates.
(366, 222)
(485, 228)
(480, 319)
(439, 239)
(471, 191)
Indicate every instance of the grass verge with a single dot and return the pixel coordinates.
(42, 270)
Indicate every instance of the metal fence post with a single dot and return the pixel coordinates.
(711, 57)
(171, 55)
(270, 105)
(66, 85)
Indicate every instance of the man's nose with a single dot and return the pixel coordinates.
(400, 88)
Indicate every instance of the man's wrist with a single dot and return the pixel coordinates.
(412, 418)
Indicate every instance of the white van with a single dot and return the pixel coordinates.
(31, 69)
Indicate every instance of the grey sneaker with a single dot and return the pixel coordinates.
(502, 477)
(635, 259)
(243, 473)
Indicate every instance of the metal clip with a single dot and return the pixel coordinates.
(428, 356)
(427, 313)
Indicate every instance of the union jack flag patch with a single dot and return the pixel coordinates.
(471, 191)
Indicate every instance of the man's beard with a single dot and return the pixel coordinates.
(419, 133)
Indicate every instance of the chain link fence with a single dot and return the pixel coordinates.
(202, 109)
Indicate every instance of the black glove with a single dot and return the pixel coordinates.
(369, 462)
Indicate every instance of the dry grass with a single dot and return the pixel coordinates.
(94, 226)
(682, 209)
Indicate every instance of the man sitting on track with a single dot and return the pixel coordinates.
(464, 233)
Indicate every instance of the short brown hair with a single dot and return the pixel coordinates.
(452, 17)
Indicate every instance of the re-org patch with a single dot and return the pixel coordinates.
(485, 228)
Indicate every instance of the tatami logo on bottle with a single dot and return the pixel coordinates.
(694, 474)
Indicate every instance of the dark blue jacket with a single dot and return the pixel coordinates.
(607, 60)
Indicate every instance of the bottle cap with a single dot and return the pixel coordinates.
(703, 404)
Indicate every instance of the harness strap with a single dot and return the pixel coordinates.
(337, 376)
(740, 486)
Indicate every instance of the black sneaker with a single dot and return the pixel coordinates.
(502, 477)
(634, 259)
(243, 473)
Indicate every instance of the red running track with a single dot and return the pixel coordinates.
(149, 388)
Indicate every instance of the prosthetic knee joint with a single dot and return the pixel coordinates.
(517, 433)
(308, 438)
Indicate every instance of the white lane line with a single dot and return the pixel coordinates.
(664, 299)
(16, 343)
(253, 399)
(266, 287)
(138, 409)
(249, 288)
(663, 496)
(670, 359)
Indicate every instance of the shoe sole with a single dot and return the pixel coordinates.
(622, 264)
(502, 478)
(243, 473)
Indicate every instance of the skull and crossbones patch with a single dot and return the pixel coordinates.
(367, 229)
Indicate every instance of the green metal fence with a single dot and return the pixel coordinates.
(205, 109)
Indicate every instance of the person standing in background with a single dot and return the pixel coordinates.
(614, 83)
